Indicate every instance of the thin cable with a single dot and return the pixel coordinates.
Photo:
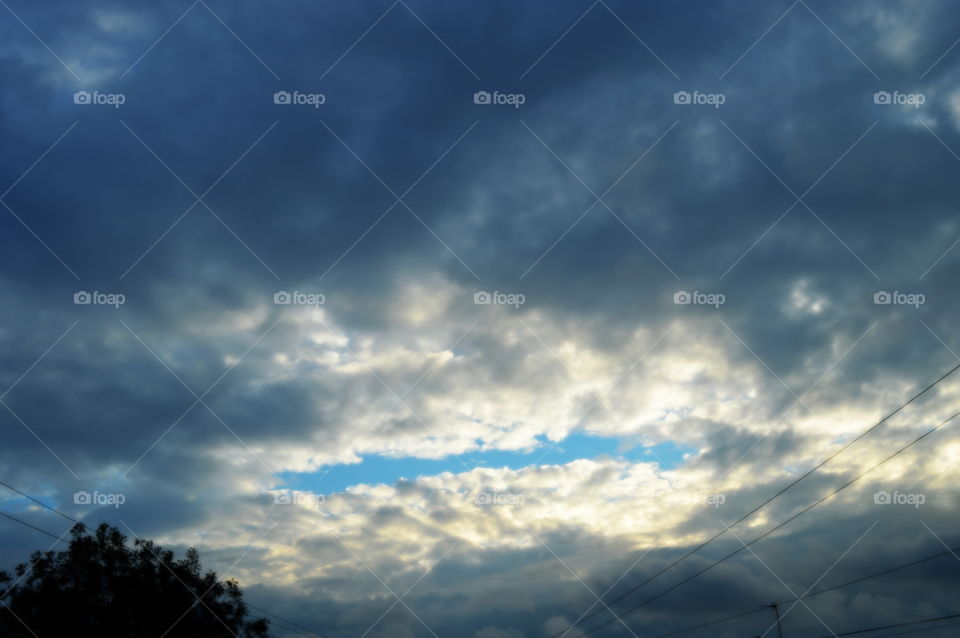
(913, 631)
(42, 531)
(775, 528)
(285, 627)
(759, 507)
(305, 632)
(289, 622)
(902, 624)
(875, 575)
(61, 539)
(42, 504)
(824, 590)
(713, 622)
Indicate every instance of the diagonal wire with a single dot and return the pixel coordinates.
(788, 487)
(38, 502)
(824, 590)
(585, 586)
(800, 600)
(42, 531)
(806, 594)
(785, 522)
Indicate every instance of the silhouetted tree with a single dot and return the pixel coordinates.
(100, 586)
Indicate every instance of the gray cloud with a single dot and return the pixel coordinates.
(598, 347)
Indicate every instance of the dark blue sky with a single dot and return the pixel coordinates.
(521, 300)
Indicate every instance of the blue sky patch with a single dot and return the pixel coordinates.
(376, 469)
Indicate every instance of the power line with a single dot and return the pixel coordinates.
(817, 592)
(289, 622)
(42, 531)
(759, 507)
(41, 503)
(902, 624)
(776, 610)
(285, 627)
(877, 574)
(774, 528)
(712, 622)
(61, 539)
(913, 631)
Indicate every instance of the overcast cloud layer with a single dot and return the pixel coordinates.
(467, 240)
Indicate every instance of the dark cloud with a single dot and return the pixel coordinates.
(493, 198)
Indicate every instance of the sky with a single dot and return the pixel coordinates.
(480, 319)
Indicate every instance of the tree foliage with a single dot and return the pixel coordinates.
(101, 586)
